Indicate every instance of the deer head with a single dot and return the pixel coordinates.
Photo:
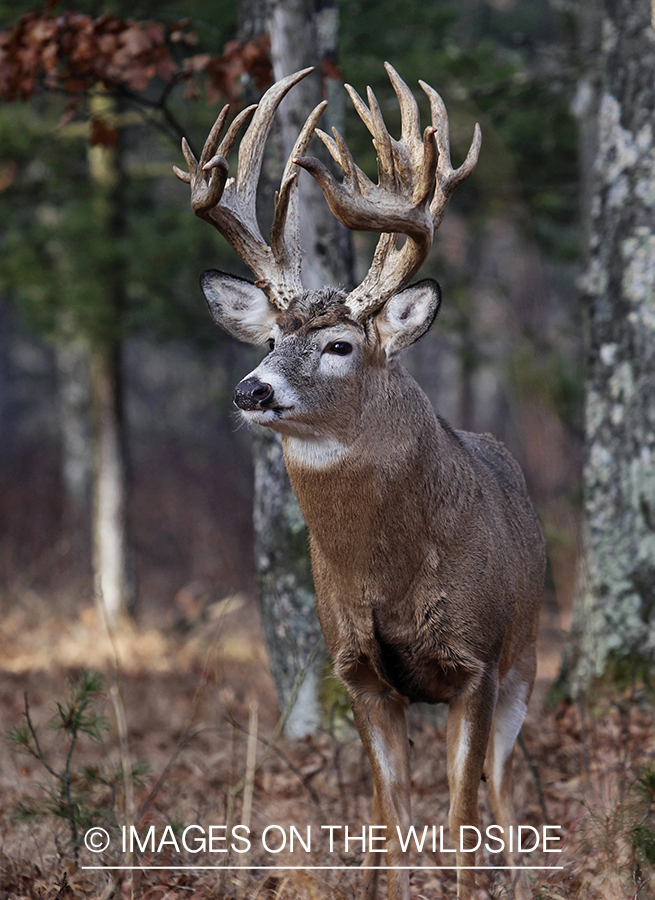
(317, 337)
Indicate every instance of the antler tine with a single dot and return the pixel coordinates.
(447, 177)
(206, 191)
(342, 156)
(213, 137)
(410, 119)
(411, 171)
(251, 151)
(229, 140)
(382, 142)
(230, 205)
(361, 108)
(285, 232)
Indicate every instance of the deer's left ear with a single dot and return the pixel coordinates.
(408, 315)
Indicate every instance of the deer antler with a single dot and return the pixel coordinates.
(409, 172)
(229, 204)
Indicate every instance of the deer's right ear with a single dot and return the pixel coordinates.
(238, 306)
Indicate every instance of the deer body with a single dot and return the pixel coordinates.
(403, 590)
(465, 550)
(427, 556)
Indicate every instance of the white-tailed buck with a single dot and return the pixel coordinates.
(427, 556)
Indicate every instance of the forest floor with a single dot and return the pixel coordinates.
(189, 702)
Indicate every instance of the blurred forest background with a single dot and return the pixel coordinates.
(505, 356)
(111, 370)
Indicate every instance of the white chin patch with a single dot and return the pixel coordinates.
(262, 416)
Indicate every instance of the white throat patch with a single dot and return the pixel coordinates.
(314, 453)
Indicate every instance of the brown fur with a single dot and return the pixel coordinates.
(315, 309)
(405, 588)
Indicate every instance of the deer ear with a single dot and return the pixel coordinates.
(408, 315)
(238, 306)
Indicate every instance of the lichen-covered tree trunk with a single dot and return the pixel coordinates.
(301, 33)
(614, 619)
(286, 590)
(304, 33)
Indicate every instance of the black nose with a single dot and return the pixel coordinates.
(251, 393)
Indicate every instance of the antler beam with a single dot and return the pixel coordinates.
(415, 182)
(230, 204)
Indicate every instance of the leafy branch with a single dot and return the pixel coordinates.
(76, 54)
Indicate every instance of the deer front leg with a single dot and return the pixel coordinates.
(469, 724)
(380, 720)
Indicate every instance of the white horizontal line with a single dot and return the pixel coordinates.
(340, 868)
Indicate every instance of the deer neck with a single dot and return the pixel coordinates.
(363, 482)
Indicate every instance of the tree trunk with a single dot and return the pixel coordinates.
(304, 33)
(286, 596)
(74, 413)
(111, 549)
(614, 621)
(286, 591)
(112, 554)
(585, 107)
(72, 354)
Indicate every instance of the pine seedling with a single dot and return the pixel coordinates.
(78, 797)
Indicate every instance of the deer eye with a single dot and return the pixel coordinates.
(271, 344)
(339, 348)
